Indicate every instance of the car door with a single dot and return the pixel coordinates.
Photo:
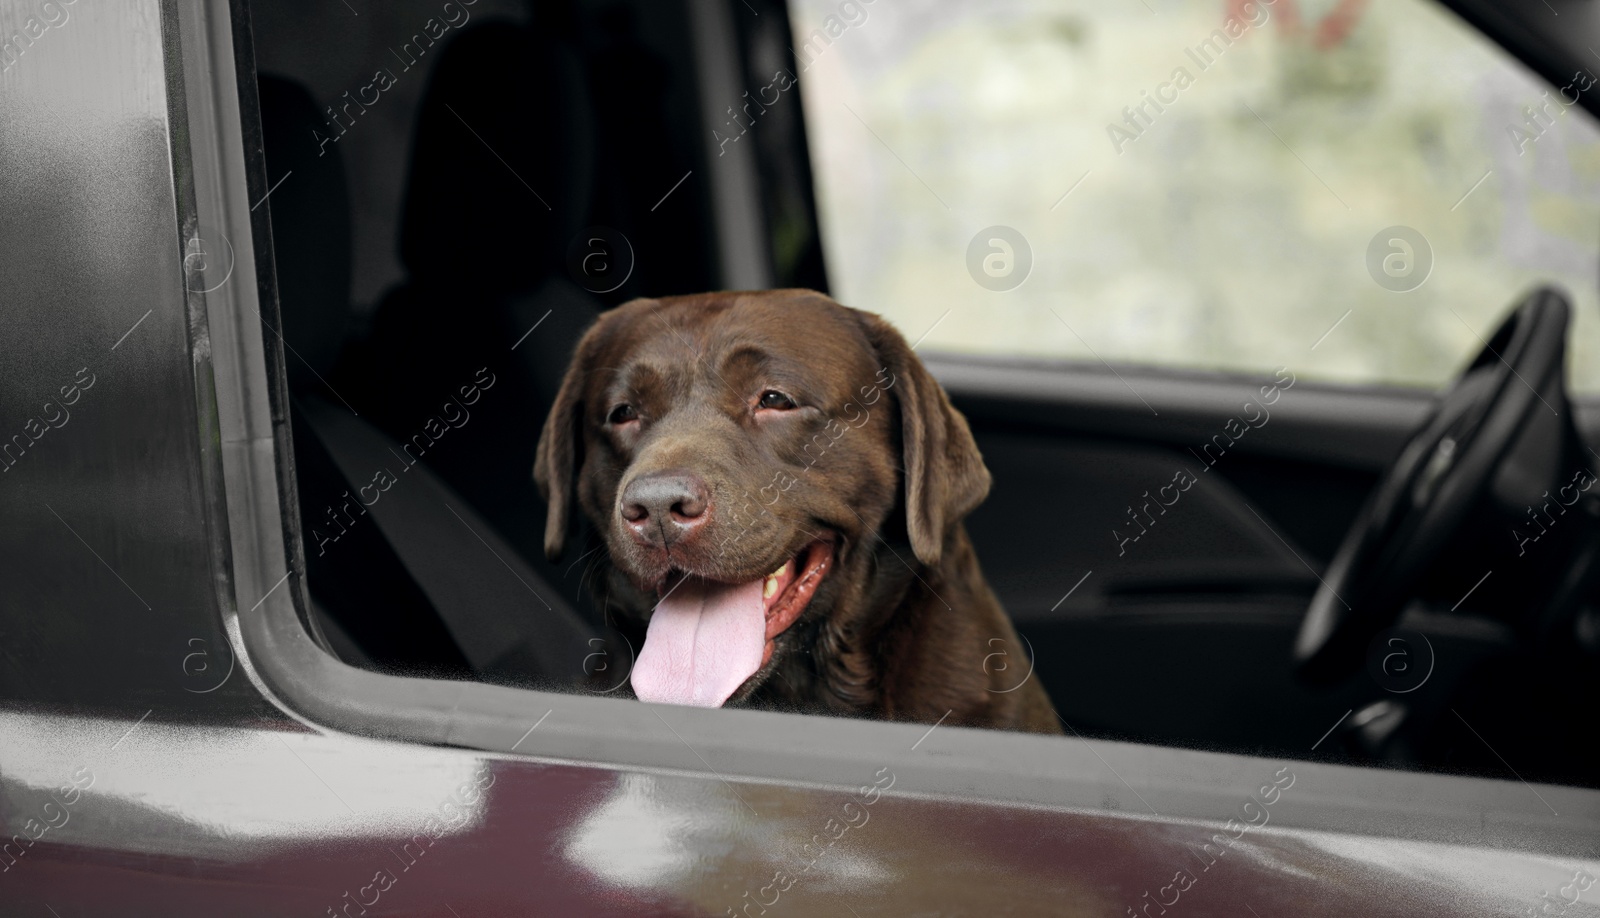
(177, 737)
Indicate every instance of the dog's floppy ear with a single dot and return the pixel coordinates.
(945, 476)
(556, 457)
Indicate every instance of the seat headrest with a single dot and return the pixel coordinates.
(501, 168)
(310, 229)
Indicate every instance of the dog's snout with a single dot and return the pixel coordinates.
(677, 499)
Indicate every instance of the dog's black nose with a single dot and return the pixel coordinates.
(660, 500)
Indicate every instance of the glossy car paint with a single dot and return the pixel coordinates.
(275, 819)
(164, 751)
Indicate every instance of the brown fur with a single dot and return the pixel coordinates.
(903, 626)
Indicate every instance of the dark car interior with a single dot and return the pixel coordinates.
(1253, 622)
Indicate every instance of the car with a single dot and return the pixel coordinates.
(1276, 324)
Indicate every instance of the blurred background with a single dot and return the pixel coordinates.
(1232, 234)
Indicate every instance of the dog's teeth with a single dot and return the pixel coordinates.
(771, 586)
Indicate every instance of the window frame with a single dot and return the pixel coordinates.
(278, 650)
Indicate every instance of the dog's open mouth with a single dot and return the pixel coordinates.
(706, 638)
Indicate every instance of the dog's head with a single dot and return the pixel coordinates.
(739, 453)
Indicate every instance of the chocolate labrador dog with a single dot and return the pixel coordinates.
(780, 484)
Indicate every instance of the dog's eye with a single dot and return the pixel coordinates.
(774, 400)
(622, 414)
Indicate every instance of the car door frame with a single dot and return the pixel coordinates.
(280, 655)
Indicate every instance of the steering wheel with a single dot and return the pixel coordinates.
(1499, 436)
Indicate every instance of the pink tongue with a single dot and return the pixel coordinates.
(704, 641)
